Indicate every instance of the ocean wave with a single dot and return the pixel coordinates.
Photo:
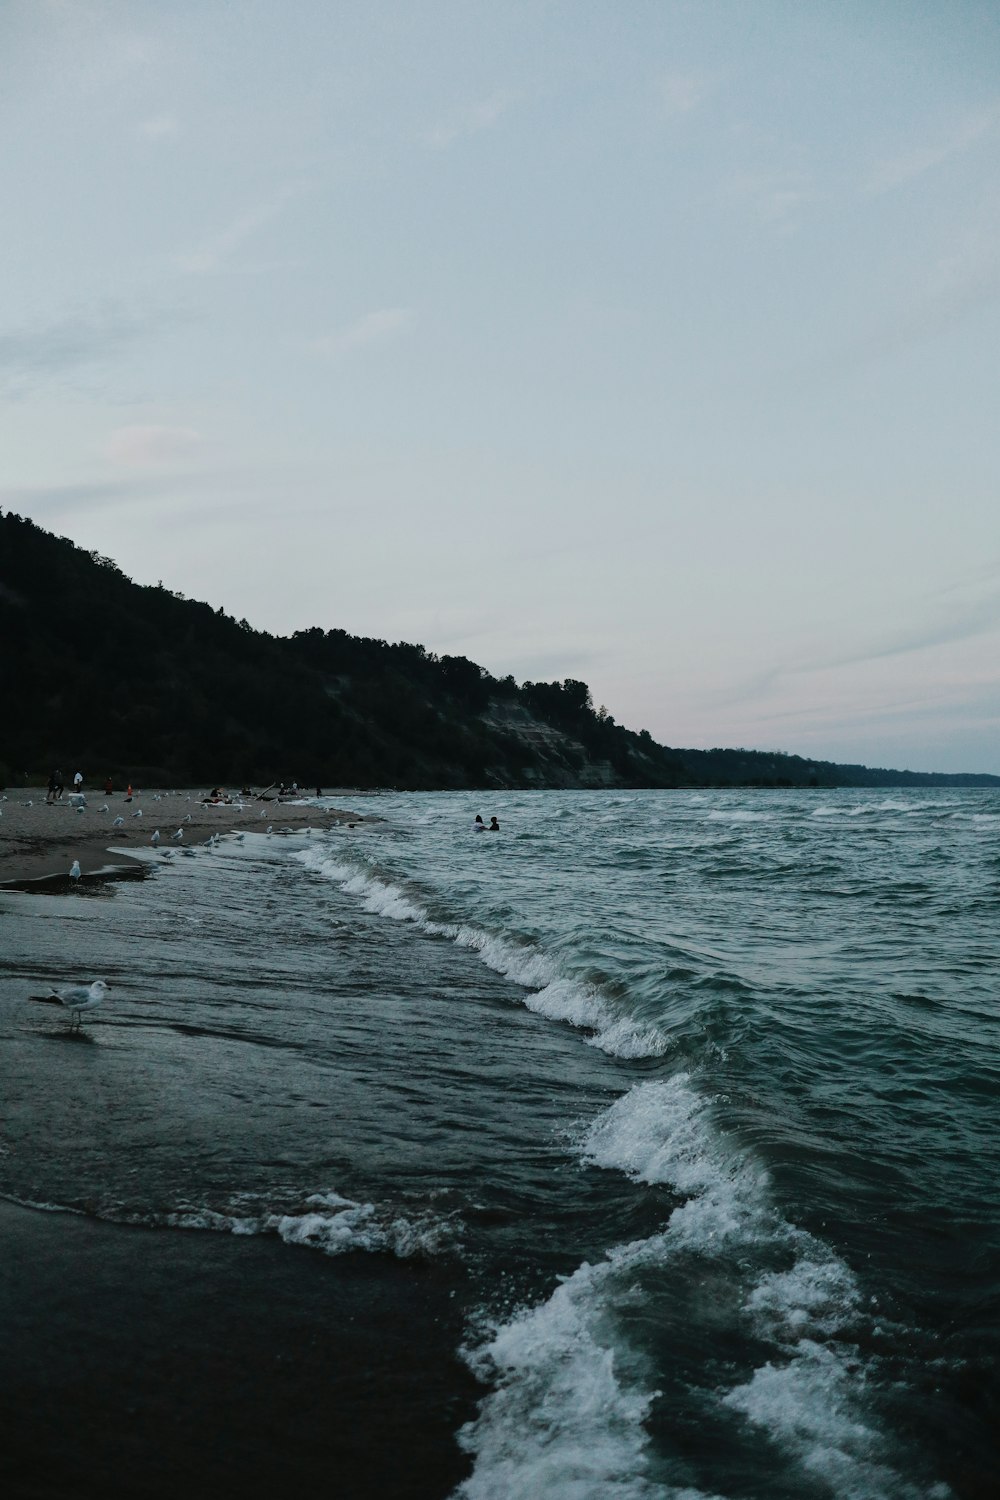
(321, 1221)
(566, 1417)
(737, 815)
(811, 1397)
(551, 993)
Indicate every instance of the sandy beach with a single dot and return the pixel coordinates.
(39, 841)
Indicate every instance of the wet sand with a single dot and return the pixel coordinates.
(140, 1362)
(40, 841)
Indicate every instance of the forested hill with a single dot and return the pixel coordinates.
(135, 682)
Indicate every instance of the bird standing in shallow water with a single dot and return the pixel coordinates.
(74, 870)
(78, 999)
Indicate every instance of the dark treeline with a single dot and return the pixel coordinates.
(142, 684)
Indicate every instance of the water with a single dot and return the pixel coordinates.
(691, 1098)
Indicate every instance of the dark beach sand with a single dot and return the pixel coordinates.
(147, 1362)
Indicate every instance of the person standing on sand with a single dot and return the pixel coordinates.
(78, 782)
(54, 787)
(108, 787)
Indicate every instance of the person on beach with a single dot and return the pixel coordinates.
(128, 793)
(494, 826)
(108, 787)
(55, 787)
(78, 782)
(479, 826)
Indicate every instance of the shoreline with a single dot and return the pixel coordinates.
(39, 841)
(182, 1360)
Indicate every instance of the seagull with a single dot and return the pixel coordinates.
(156, 837)
(240, 837)
(270, 827)
(137, 814)
(79, 807)
(105, 808)
(29, 803)
(168, 854)
(78, 999)
(119, 822)
(177, 838)
(188, 818)
(74, 870)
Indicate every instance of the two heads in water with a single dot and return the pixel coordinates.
(480, 827)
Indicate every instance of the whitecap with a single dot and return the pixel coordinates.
(811, 1396)
(566, 1417)
(551, 993)
(737, 815)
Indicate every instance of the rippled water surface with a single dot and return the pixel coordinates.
(694, 1094)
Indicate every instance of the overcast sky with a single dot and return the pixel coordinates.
(649, 343)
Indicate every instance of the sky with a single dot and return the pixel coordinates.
(653, 344)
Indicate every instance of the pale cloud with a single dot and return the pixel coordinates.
(772, 197)
(895, 171)
(958, 613)
(965, 286)
(149, 446)
(158, 127)
(680, 93)
(374, 328)
(469, 120)
(94, 46)
(38, 354)
(214, 254)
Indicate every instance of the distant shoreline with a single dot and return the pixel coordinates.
(39, 843)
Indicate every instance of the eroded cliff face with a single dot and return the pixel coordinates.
(552, 759)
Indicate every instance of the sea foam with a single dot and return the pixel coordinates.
(567, 1415)
(557, 996)
(811, 1397)
(322, 1221)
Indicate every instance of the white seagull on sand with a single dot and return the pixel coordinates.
(156, 837)
(74, 870)
(119, 822)
(178, 837)
(78, 999)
